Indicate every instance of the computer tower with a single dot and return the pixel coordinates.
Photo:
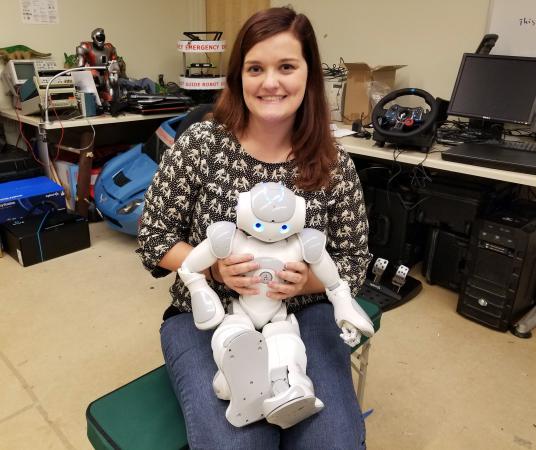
(444, 258)
(454, 203)
(500, 281)
(394, 232)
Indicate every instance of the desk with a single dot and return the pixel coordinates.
(79, 134)
(367, 148)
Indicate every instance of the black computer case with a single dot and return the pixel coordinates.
(500, 282)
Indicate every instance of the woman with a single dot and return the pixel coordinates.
(271, 123)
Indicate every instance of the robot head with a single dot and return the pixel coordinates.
(270, 212)
(98, 37)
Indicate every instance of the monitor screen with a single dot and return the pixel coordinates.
(24, 70)
(495, 87)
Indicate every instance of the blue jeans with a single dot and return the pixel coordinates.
(339, 426)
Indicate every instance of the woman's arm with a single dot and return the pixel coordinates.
(174, 258)
(348, 225)
(165, 222)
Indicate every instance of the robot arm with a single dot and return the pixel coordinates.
(349, 316)
(207, 309)
(81, 55)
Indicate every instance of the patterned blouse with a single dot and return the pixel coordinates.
(198, 182)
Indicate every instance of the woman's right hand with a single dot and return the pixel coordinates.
(231, 272)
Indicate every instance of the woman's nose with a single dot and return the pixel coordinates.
(271, 80)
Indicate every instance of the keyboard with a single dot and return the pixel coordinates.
(496, 156)
(523, 146)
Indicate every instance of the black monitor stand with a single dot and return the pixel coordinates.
(488, 129)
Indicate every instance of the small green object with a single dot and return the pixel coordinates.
(21, 52)
(70, 61)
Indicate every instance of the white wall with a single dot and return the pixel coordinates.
(144, 32)
(429, 36)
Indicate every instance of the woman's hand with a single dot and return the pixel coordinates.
(296, 275)
(231, 272)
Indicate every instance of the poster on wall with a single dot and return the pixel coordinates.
(515, 23)
(39, 11)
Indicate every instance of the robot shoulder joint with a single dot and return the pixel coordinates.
(313, 244)
(220, 236)
(82, 49)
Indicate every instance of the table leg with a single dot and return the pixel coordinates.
(42, 153)
(85, 163)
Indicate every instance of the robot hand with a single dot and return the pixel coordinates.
(350, 317)
(350, 335)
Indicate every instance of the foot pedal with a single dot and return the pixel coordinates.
(400, 277)
(245, 367)
(379, 268)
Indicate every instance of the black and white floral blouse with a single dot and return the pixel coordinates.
(198, 182)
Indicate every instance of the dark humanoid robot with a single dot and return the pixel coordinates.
(97, 52)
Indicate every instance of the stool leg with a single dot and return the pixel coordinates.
(360, 364)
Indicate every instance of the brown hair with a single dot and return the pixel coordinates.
(313, 147)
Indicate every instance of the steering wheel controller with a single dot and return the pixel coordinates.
(404, 125)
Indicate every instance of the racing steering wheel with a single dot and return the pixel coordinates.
(400, 122)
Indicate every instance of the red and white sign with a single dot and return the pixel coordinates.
(201, 46)
(193, 83)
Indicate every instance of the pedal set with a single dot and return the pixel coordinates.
(389, 286)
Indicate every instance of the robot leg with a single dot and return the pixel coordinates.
(241, 354)
(293, 397)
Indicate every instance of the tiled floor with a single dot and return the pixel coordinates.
(74, 328)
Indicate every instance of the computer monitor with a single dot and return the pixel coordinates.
(15, 74)
(495, 88)
(20, 71)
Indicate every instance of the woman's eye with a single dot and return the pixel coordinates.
(254, 69)
(287, 67)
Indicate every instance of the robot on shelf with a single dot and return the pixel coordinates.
(259, 334)
(98, 52)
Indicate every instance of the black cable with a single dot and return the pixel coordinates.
(334, 72)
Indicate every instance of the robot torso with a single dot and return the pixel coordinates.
(272, 257)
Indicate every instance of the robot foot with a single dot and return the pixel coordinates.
(291, 407)
(245, 367)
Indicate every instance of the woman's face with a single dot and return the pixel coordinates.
(274, 76)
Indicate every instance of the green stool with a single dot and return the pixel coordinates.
(144, 414)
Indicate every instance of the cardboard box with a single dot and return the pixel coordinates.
(40, 238)
(357, 100)
(19, 198)
(68, 177)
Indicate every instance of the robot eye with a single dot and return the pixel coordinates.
(257, 226)
(284, 229)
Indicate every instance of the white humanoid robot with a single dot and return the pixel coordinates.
(263, 373)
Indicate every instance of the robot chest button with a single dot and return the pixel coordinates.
(266, 277)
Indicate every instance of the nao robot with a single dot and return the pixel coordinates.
(98, 52)
(257, 348)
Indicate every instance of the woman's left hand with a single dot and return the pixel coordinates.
(296, 275)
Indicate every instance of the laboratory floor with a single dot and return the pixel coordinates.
(79, 326)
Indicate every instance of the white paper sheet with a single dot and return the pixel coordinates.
(83, 81)
(39, 11)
